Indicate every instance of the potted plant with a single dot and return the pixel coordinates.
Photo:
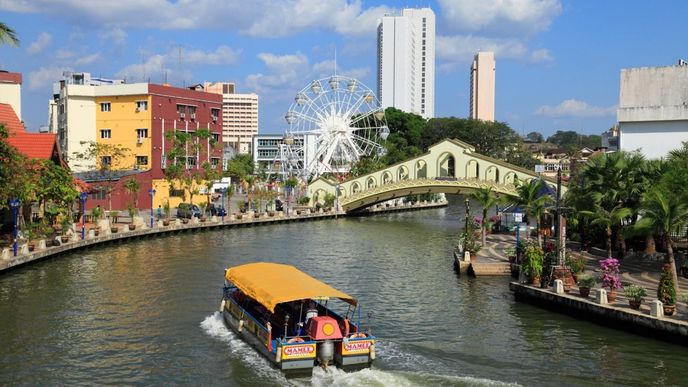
(66, 224)
(610, 277)
(166, 210)
(511, 254)
(576, 264)
(585, 283)
(533, 262)
(470, 243)
(96, 214)
(666, 290)
(635, 294)
(113, 221)
(132, 213)
(202, 206)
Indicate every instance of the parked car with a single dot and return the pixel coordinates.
(186, 210)
(213, 210)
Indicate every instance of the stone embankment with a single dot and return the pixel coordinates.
(45, 249)
(615, 315)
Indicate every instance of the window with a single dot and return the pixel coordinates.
(181, 109)
(192, 112)
(141, 160)
(216, 137)
(141, 105)
(105, 133)
(214, 162)
(214, 113)
(179, 193)
(190, 161)
(105, 107)
(105, 161)
(142, 133)
(99, 194)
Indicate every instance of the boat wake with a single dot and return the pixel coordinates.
(413, 369)
(214, 326)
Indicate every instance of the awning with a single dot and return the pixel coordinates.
(272, 283)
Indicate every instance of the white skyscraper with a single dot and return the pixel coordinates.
(482, 103)
(406, 61)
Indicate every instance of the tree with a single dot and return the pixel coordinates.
(487, 199)
(240, 166)
(13, 172)
(666, 213)
(7, 35)
(609, 219)
(109, 161)
(535, 137)
(532, 201)
(132, 187)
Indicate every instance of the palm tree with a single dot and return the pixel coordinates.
(532, 201)
(608, 219)
(487, 199)
(132, 186)
(667, 214)
(7, 35)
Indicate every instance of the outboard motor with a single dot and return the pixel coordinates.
(325, 352)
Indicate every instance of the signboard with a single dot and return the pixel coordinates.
(356, 347)
(518, 217)
(298, 351)
(540, 168)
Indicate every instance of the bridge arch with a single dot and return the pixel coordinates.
(492, 174)
(371, 182)
(402, 173)
(510, 178)
(446, 165)
(472, 169)
(355, 188)
(421, 169)
(387, 177)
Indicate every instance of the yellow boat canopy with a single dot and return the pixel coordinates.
(272, 283)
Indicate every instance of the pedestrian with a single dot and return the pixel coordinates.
(159, 211)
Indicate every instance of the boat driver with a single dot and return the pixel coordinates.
(311, 312)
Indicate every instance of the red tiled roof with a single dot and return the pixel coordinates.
(34, 145)
(7, 77)
(8, 117)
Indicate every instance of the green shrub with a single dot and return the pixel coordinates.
(533, 260)
(586, 281)
(635, 292)
(666, 291)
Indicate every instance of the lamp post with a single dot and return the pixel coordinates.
(152, 194)
(336, 201)
(557, 230)
(222, 203)
(83, 197)
(14, 204)
(468, 210)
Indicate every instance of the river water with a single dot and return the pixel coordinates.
(144, 313)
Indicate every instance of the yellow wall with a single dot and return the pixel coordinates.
(123, 120)
(162, 189)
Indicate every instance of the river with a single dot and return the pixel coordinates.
(144, 313)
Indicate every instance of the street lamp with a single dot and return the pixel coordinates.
(336, 200)
(14, 204)
(468, 210)
(83, 197)
(152, 193)
(222, 203)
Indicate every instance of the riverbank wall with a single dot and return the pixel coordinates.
(670, 329)
(9, 262)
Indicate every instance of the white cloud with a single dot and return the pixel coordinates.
(541, 55)
(500, 17)
(114, 36)
(43, 41)
(575, 108)
(87, 60)
(221, 55)
(45, 77)
(462, 48)
(260, 18)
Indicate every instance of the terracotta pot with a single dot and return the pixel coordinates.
(535, 281)
(165, 222)
(611, 296)
(203, 219)
(584, 291)
(32, 247)
(64, 238)
(114, 229)
(185, 221)
(474, 256)
(132, 227)
(634, 304)
(669, 310)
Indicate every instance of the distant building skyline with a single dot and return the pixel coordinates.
(239, 114)
(406, 61)
(482, 89)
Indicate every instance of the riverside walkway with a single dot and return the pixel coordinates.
(8, 261)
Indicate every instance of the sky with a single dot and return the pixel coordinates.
(558, 62)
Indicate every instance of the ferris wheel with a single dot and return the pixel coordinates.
(333, 122)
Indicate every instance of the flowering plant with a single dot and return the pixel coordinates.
(610, 273)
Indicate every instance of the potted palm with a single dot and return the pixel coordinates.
(202, 206)
(65, 224)
(113, 221)
(132, 213)
(585, 283)
(470, 243)
(533, 262)
(635, 294)
(666, 290)
(166, 210)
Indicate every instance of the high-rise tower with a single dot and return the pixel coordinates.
(483, 86)
(406, 61)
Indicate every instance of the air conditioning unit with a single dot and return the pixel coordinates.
(193, 116)
(182, 115)
(139, 140)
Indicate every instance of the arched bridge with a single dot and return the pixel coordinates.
(450, 166)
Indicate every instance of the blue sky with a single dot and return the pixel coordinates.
(558, 61)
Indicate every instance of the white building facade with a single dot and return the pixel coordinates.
(482, 101)
(239, 114)
(653, 109)
(406, 61)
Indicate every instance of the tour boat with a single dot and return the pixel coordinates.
(285, 314)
